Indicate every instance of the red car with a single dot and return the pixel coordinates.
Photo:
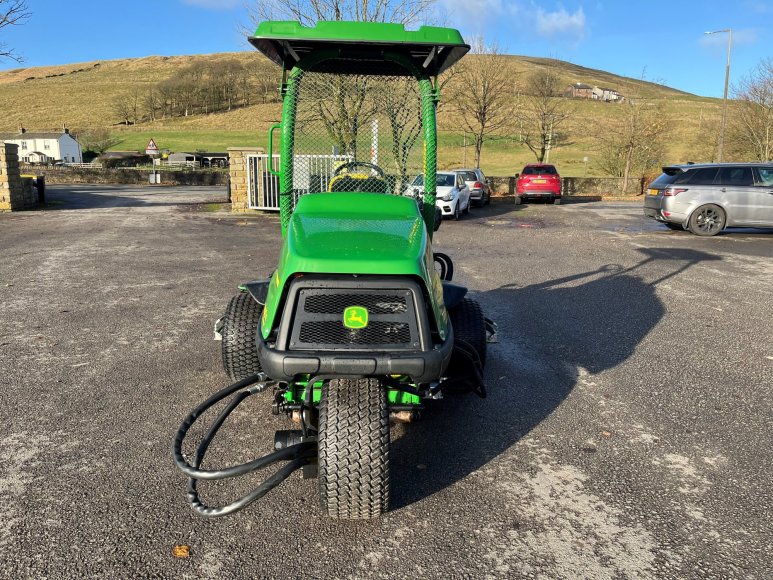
(538, 180)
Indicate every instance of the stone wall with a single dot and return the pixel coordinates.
(607, 186)
(129, 176)
(15, 193)
(577, 186)
(238, 189)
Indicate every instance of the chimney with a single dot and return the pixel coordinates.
(65, 130)
(22, 130)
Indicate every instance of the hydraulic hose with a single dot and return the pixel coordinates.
(298, 455)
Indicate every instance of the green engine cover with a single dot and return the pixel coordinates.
(356, 233)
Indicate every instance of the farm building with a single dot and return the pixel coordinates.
(579, 91)
(43, 148)
(583, 91)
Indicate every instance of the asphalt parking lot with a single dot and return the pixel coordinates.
(627, 432)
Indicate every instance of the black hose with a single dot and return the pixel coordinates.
(299, 454)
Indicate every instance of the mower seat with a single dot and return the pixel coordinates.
(357, 182)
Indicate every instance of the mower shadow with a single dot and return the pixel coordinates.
(547, 333)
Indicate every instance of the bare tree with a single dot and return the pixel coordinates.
(544, 111)
(633, 143)
(97, 140)
(751, 129)
(308, 12)
(483, 94)
(123, 109)
(152, 103)
(12, 13)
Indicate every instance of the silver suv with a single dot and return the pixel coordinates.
(707, 198)
(480, 190)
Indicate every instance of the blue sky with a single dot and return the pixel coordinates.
(659, 40)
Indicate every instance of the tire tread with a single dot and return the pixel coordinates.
(354, 449)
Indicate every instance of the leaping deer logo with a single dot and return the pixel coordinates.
(355, 317)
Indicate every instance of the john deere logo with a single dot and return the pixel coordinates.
(355, 317)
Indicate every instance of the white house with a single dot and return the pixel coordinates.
(45, 147)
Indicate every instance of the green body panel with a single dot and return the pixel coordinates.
(355, 233)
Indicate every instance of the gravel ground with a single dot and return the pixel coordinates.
(627, 432)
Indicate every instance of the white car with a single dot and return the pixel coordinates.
(452, 193)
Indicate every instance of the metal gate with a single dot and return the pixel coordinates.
(262, 186)
(311, 173)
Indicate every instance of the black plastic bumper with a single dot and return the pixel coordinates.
(421, 366)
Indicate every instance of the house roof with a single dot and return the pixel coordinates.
(30, 135)
(581, 86)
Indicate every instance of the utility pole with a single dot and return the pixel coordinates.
(729, 31)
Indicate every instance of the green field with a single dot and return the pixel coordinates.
(82, 96)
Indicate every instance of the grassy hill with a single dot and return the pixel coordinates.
(82, 96)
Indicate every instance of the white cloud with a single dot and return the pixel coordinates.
(213, 4)
(560, 23)
(474, 14)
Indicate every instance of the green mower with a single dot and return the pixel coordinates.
(360, 323)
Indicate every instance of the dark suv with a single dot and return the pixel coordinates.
(707, 198)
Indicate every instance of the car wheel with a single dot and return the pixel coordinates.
(518, 200)
(457, 211)
(707, 220)
(675, 227)
(467, 208)
(488, 199)
(556, 201)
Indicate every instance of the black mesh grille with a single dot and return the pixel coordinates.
(336, 303)
(334, 332)
(318, 323)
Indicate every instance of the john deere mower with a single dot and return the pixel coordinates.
(360, 321)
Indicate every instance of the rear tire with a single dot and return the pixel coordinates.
(469, 325)
(240, 325)
(556, 201)
(457, 211)
(707, 220)
(354, 449)
(518, 200)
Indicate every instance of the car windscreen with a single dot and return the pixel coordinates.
(446, 179)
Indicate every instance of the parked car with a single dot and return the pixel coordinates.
(538, 181)
(480, 190)
(707, 198)
(452, 193)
